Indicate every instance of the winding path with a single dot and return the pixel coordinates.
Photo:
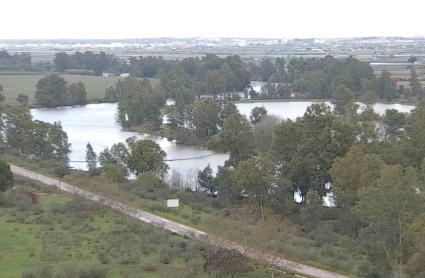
(179, 228)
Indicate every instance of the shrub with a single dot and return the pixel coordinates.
(93, 271)
(164, 255)
(67, 270)
(150, 267)
(28, 274)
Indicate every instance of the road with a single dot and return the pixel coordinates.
(179, 228)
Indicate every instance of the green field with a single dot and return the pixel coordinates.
(65, 234)
(15, 84)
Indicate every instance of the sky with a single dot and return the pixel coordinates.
(120, 19)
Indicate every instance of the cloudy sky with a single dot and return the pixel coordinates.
(210, 18)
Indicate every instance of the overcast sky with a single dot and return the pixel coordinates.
(210, 18)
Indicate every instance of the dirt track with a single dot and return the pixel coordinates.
(179, 228)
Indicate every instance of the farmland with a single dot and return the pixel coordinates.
(15, 84)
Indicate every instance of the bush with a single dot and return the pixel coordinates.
(6, 176)
(164, 256)
(28, 274)
(67, 270)
(93, 271)
(150, 267)
(45, 271)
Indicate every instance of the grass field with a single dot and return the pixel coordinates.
(15, 84)
(64, 235)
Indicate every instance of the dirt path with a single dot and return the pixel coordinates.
(179, 228)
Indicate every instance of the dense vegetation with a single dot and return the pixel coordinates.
(96, 63)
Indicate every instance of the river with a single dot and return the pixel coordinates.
(96, 123)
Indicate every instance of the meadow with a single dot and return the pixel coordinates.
(65, 236)
(18, 83)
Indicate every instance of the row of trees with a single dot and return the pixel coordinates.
(53, 90)
(87, 61)
(321, 78)
(21, 62)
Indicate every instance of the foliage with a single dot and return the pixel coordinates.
(257, 114)
(139, 102)
(226, 263)
(6, 176)
(387, 209)
(256, 177)
(138, 156)
(305, 149)
(36, 139)
(236, 138)
(52, 91)
(91, 159)
(95, 62)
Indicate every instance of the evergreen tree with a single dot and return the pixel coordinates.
(91, 159)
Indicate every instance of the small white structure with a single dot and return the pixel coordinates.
(172, 203)
(126, 74)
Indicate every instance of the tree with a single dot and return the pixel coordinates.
(236, 138)
(263, 133)
(267, 69)
(342, 97)
(22, 99)
(415, 84)
(256, 176)
(416, 236)
(415, 135)
(76, 94)
(350, 173)
(91, 159)
(387, 210)
(226, 263)
(115, 173)
(312, 211)
(146, 156)
(215, 82)
(394, 122)
(6, 176)
(206, 179)
(139, 103)
(206, 118)
(2, 97)
(304, 150)
(61, 61)
(257, 114)
(386, 87)
(51, 91)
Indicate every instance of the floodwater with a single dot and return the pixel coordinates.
(294, 109)
(96, 123)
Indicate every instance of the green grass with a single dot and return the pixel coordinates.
(15, 84)
(63, 229)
